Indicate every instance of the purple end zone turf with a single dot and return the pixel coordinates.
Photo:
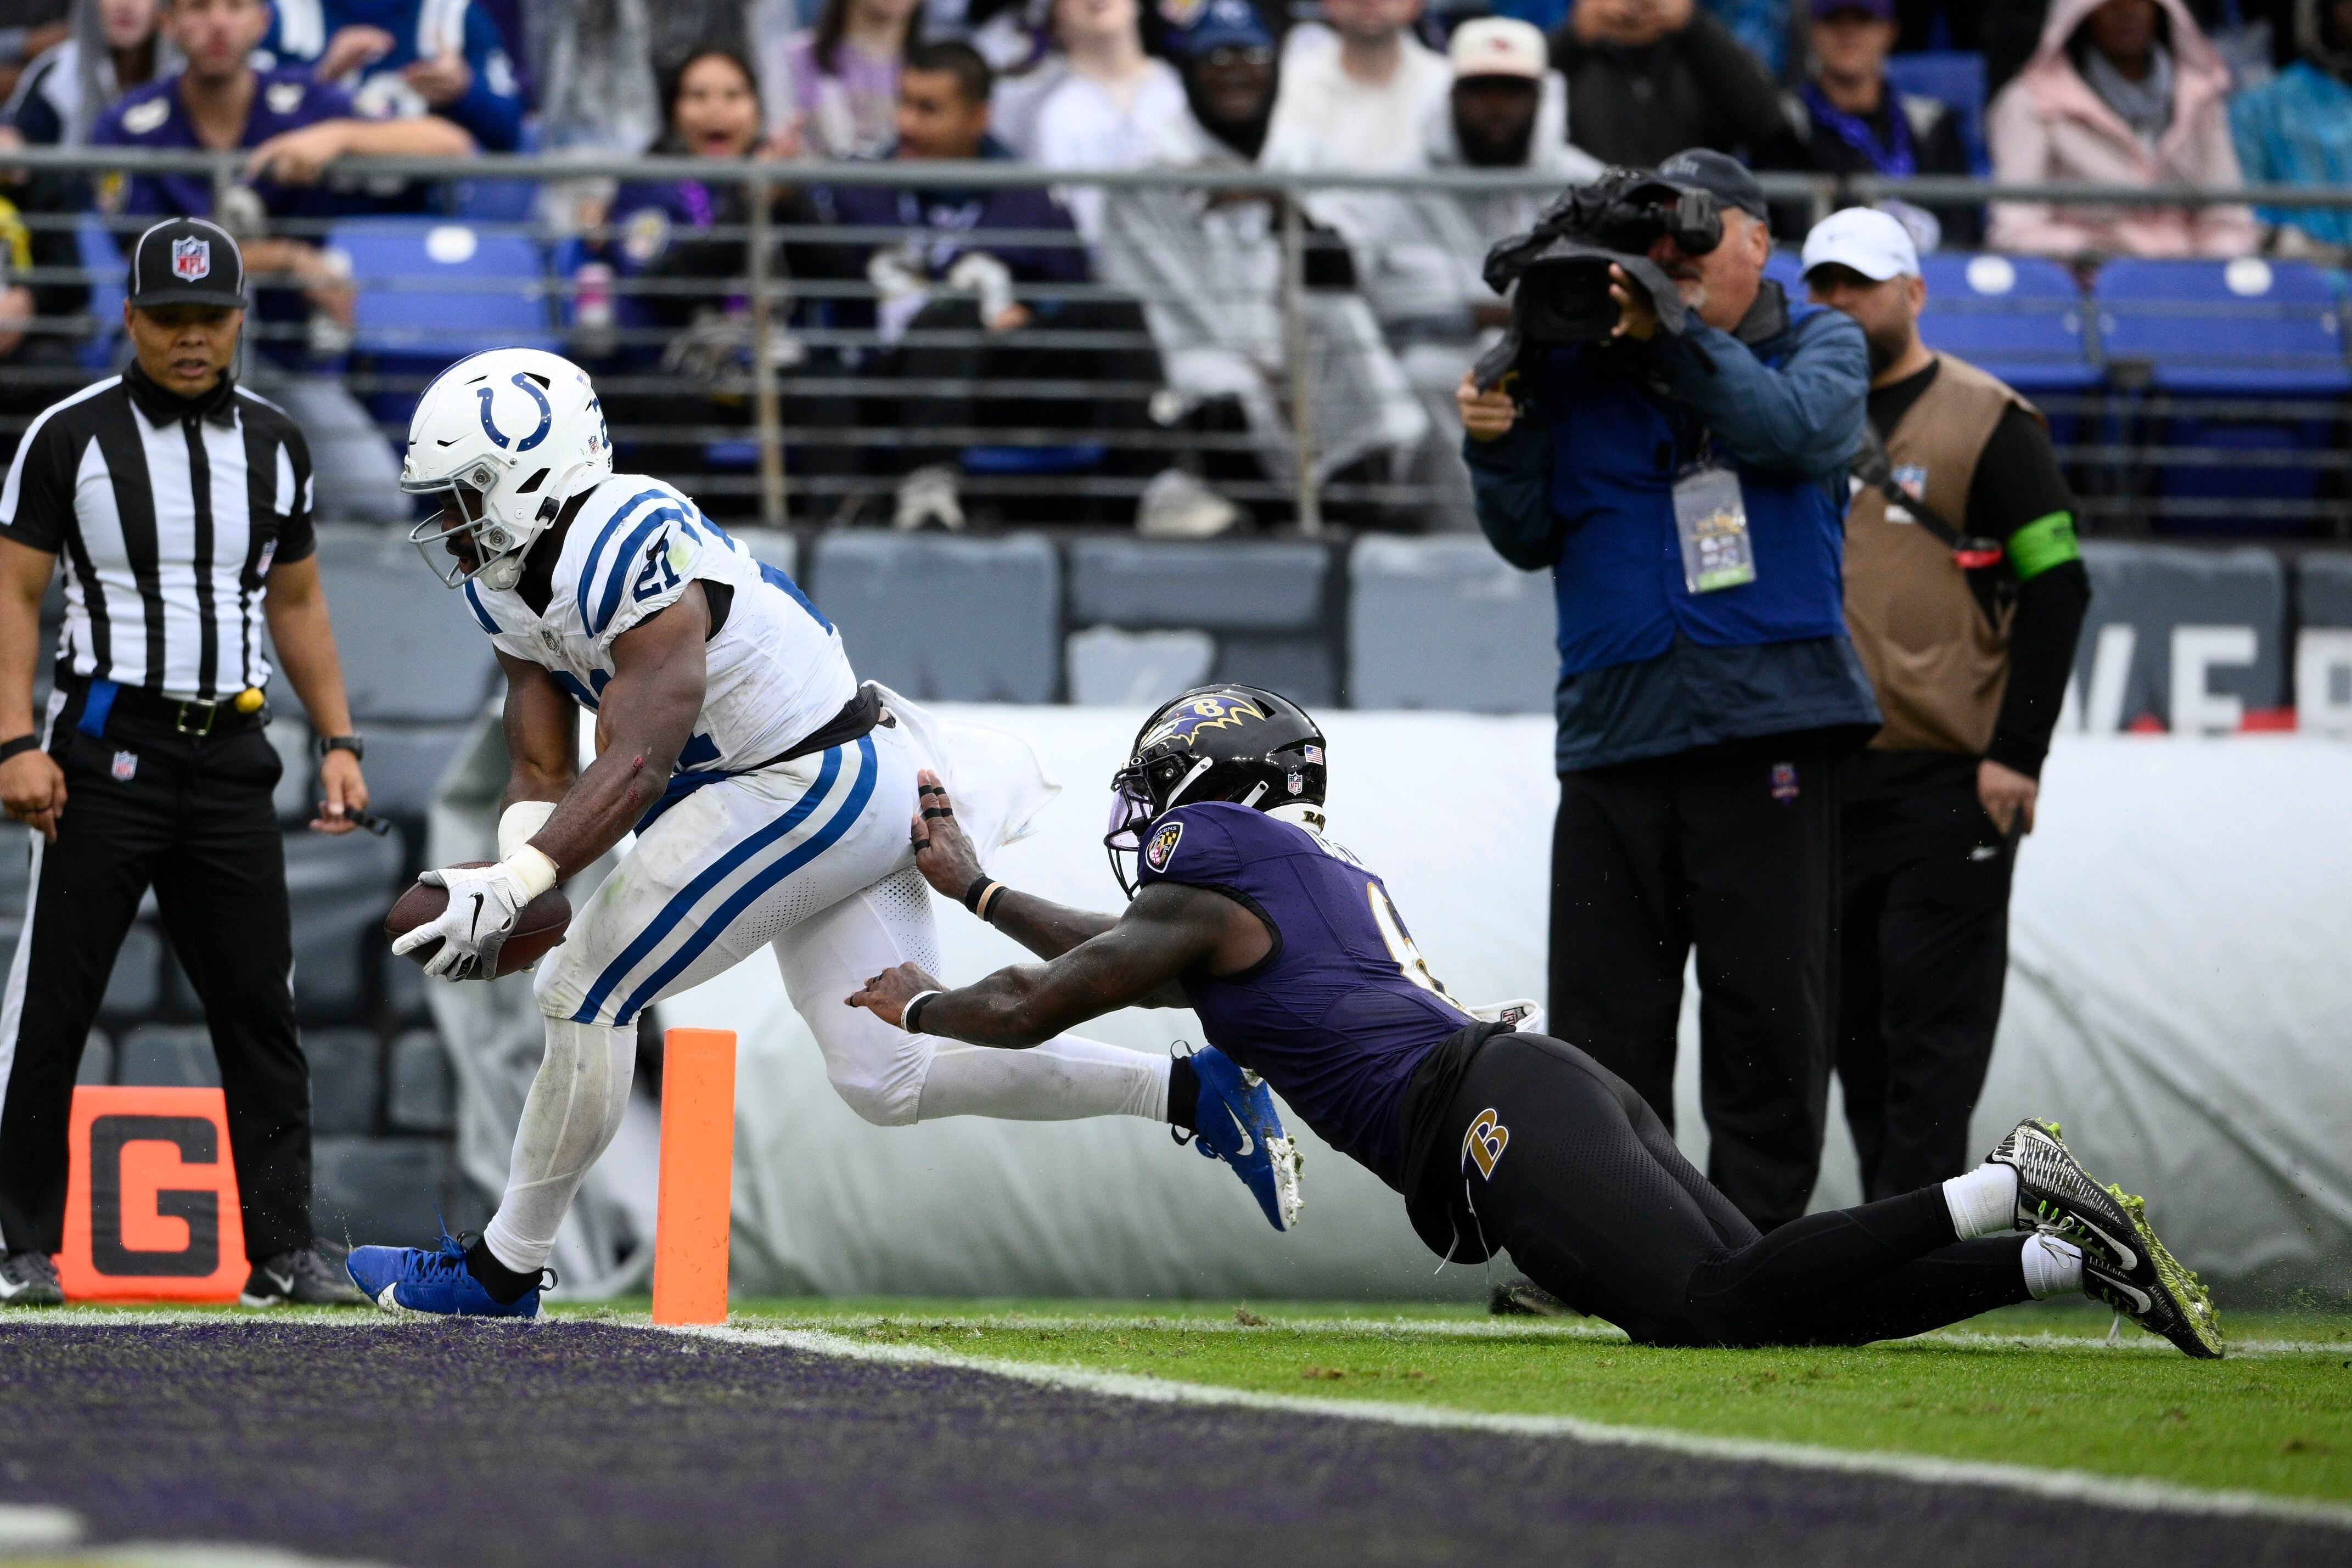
(580, 1443)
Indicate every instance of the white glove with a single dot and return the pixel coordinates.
(1520, 1012)
(483, 903)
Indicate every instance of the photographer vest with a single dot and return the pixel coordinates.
(1937, 662)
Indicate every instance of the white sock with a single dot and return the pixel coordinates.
(574, 1109)
(1983, 1202)
(2052, 1267)
(1064, 1079)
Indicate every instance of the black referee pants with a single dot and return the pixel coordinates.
(1735, 853)
(194, 822)
(1925, 936)
(1565, 1166)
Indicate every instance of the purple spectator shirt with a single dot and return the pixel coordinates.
(153, 116)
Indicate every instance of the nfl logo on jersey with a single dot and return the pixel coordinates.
(192, 259)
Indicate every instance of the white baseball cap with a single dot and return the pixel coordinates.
(1867, 241)
(1498, 46)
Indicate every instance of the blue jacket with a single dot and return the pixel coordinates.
(490, 108)
(1647, 667)
(2296, 130)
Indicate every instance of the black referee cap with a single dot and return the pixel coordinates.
(186, 261)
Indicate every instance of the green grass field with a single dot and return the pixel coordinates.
(2033, 1385)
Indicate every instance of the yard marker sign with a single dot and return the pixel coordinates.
(151, 1197)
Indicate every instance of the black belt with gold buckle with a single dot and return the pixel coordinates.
(198, 718)
(199, 729)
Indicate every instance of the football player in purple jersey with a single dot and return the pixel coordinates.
(1302, 970)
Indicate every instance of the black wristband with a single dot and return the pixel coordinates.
(971, 894)
(24, 743)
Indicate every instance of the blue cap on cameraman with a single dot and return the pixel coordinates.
(1720, 174)
(1222, 24)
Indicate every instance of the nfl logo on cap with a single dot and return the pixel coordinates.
(192, 259)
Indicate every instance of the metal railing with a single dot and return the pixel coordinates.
(793, 384)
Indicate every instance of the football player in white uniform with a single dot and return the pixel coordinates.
(770, 794)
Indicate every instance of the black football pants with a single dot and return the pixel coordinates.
(194, 822)
(1581, 1184)
(1925, 936)
(1736, 854)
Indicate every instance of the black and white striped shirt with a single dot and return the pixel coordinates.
(169, 514)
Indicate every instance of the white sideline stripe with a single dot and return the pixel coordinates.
(2135, 1343)
(2066, 1486)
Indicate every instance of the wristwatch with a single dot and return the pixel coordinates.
(350, 743)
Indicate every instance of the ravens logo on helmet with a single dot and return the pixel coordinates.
(1242, 744)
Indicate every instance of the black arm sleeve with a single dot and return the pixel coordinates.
(40, 488)
(2042, 639)
(2018, 485)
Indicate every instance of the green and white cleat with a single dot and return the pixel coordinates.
(2054, 1193)
(2165, 1298)
(2124, 1264)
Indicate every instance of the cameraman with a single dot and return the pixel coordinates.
(1706, 695)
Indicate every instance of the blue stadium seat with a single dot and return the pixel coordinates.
(2249, 330)
(2018, 317)
(413, 653)
(432, 291)
(382, 1191)
(104, 261)
(1954, 77)
(499, 201)
(346, 1080)
(1264, 601)
(1447, 623)
(2249, 327)
(1074, 457)
(339, 889)
(955, 619)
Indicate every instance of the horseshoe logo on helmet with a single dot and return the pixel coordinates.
(546, 415)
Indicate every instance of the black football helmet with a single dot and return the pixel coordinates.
(1224, 742)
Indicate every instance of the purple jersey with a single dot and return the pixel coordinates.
(1341, 1013)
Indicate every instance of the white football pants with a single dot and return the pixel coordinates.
(812, 857)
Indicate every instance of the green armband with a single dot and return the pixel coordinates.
(2042, 544)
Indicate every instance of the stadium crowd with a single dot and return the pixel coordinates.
(1171, 305)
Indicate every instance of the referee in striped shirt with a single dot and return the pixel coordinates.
(181, 508)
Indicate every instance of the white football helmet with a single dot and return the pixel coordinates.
(502, 439)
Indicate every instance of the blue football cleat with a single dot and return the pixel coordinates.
(1236, 1121)
(412, 1280)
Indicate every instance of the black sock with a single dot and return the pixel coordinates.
(506, 1287)
(1183, 1095)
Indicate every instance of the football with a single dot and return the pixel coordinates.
(539, 926)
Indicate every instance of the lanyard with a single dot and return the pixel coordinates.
(1895, 158)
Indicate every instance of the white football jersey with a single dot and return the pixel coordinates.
(777, 672)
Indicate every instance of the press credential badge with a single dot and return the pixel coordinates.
(1712, 518)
